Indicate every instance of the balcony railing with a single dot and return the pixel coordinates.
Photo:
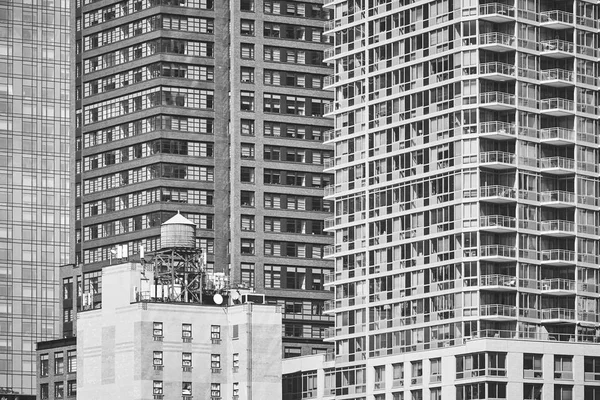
(557, 195)
(497, 157)
(498, 280)
(498, 310)
(558, 284)
(556, 74)
(499, 127)
(497, 68)
(496, 38)
(498, 191)
(497, 8)
(558, 225)
(557, 134)
(502, 221)
(538, 336)
(557, 162)
(498, 250)
(556, 16)
(498, 97)
(557, 45)
(558, 313)
(558, 255)
(557, 103)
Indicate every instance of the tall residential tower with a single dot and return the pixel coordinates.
(466, 199)
(214, 109)
(34, 180)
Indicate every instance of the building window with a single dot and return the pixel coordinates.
(247, 127)
(247, 175)
(236, 390)
(186, 331)
(71, 361)
(417, 372)
(247, 5)
(272, 276)
(290, 352)
(562, 392)
(379, 377)
(59, 390)
(247, 274)
(44, 393)
(435, 393)
(589, 393)
(44, 365)
(592, 369)
(397, 375)
(247, 199)
(416, 394)
(235, 332)
(247, 222)
(436, 370)
(247, 51)
(186, 388)
(67, 315)
(215, 361)
(67, 288)
(236, 362)
(247, 75)
(158, 329)
(215, 390)
(59, 363)
(247, 27)
(186, 360)
(247, 151)
(71, 388)
(532, 366)
(532, 391)
(246, 100)
(157, 388)
(215, 332)
(157, 358)
(247, 246)
(563, 367)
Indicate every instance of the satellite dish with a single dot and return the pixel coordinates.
(235, 296)
(218, 299)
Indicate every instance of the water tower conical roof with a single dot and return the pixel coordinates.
(179, 219)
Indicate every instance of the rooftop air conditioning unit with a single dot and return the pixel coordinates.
(253, 298)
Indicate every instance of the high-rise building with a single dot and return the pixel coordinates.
(34, 181)
(466, 197)
(214, 109)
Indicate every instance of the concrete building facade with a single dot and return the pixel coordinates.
(466, 200)
(214, 109)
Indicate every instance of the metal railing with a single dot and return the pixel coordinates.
(558, 284)
(497, 68)
(497, 157)
(498, 310)
(497, 97)
(498, 191)
(497, 220)
(557, 133)
(558, 255)
(558, 225)
(537, 336)
(498, 127)
(556, 45)
(497, 38)
(508, 281)
(557, 162)
(557, 195)
(556, 73)
(557, 103)
(497, 250)
(497, 8)
(556, 16)
(558, 313)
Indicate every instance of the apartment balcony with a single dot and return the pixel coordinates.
(497, 252)
(498, 283)
(587, 288)
(497, 223)
(557, 165)
(497, 41)
(497, 160)
(497, 101)
(497, 12)
(497, 130)
(497, 71)
(556, 19)
(558, 257)
(557, 136)
(558, 316)
(498, 194)
(498, 312)
(557, 199)
(329, 81)
(557, 48)
(558, 228)
(557, 107)
(558, 286)
(557, 77)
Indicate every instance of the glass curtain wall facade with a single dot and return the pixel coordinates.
(34, 180)
(466, 189)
